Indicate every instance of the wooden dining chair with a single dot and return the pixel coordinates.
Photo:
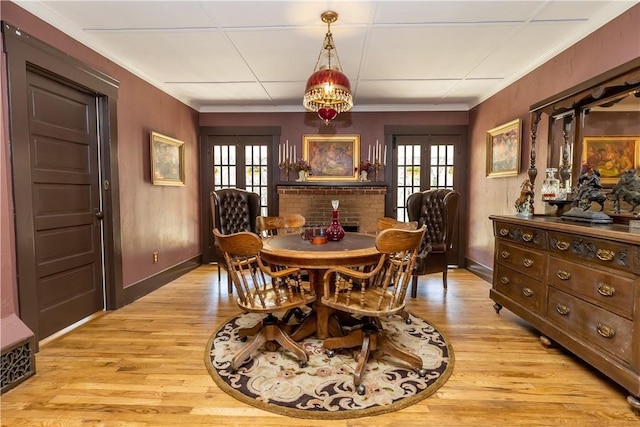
(262, 290)
(373, 294)
(384, 223)
(271, 225)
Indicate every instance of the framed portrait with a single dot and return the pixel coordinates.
(503, 150)
(611, 155)
(167, 160)
(332, 158)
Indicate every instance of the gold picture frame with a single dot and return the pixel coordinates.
(332, 158)
(167, 160)
(611, 155)
(503, 149)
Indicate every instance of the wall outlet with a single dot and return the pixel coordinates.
(155, 257)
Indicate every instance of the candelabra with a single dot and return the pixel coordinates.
(286, 158)
(379, 158)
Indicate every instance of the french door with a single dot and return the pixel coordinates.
(428, 161)
(236, 158)
(242, 162)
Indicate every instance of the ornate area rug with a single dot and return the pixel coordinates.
(324, 389)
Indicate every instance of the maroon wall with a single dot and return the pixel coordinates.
(612, 45)
(370, 126)
(153, 218)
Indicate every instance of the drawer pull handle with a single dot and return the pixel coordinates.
(563, 246)
(528, 262)
(505, 254)
(504, 280)
(527, 292)
(563, 275)
(562, 309)
(504, 231)
(606, 290)
(605, 254)
(605, 331)
(527, 237)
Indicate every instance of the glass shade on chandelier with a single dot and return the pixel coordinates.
(328, 90)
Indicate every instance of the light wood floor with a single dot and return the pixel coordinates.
(143, 365)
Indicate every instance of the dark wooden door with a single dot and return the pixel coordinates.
(65, 203)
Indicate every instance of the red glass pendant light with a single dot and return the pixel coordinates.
(328, 91)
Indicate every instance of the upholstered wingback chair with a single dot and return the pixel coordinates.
(233, 210)
(438, 210)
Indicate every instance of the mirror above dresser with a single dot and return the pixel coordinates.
(596, 125)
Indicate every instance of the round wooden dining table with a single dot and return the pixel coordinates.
(356, 249)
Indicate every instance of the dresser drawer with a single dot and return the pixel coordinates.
(527, 261)
(597, 326)
(598, 252)
(528, 236)
(522, 289)
(604, 288)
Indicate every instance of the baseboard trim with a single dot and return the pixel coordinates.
(150, 284)
(480, 270)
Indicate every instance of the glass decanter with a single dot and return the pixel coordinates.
(551, 185)
(335, 232)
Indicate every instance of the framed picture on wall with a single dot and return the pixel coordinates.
(503, 150)
(332, 158)
(611, 155)
(167, 160)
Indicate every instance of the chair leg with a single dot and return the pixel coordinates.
(248, 332)
(444, 277)
(392, 349)
(368, 344)
(245, 354)
(354, 339)
(414, 286)
(275, 333)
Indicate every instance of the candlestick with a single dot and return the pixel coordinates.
(284, 159)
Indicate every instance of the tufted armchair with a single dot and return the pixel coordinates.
(438, 210)
(233, 210)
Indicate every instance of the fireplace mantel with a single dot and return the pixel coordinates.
(361, 204)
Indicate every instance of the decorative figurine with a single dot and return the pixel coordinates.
(589, 190)
(523, 203)
(627, 189)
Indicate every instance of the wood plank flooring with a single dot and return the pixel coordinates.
(143, 366)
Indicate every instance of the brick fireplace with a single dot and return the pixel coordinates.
(360, 206)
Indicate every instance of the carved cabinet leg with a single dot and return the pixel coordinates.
(635, 404)
(497, 307)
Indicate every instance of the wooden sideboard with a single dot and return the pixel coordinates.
(579, 285)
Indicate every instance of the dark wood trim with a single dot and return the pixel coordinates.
(150, 284)
(479, 270)
(25, 52)
(568, 98)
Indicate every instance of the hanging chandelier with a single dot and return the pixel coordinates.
(328, 90)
